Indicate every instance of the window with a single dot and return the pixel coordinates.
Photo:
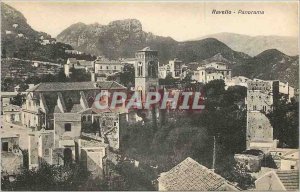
(4, 146)
(100, 67)
(115, 67)
(47, 152)
(152, 69)
(83, 118)
(292, 166)
(106, 67)
(254, 107)
(103, 123)
(115, 123)
(140, 69)
(67, 127)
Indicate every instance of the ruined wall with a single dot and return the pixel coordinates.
(259, 128)
(109, 126)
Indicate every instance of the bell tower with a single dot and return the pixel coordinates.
(146, 71)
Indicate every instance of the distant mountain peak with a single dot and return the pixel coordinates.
(253, 45)
(127, 24)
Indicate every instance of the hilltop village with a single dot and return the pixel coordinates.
(56, 126)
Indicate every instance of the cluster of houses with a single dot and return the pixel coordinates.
(15, 32)
(64, 125)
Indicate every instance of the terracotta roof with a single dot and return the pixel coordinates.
(70, 86)
(190, 175)
(290, 179)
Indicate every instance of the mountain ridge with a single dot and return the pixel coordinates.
(253, 45)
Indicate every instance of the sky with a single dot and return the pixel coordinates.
(181, 21)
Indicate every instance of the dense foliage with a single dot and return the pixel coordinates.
(47, 177)
(285, 121)
(192, 134)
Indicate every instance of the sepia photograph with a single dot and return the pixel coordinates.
(149, 95)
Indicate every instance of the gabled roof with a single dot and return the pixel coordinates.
(73, 86)
(189, 175)
(290, 179)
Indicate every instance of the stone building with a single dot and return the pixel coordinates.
(175, 68)
(261, 96)
(64, 108)
(146, 71)
(287, 90)
(212, 71)
(45, 99)
(93, 155)
(104, 66)
(11, 155)
(12, 113)
(71, 62)
(40, 147)
(236, 81)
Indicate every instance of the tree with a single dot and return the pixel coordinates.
(284, 119)
(48, 178)
(78, 75)
(19, 99)
(238, 173)
(127, 76)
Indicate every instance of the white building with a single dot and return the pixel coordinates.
(107, 67)
(212, 71)
(285, 89)
(236, 81)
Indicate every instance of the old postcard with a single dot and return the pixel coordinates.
(149, 95)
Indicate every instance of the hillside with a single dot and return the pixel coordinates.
(253, 45)
(123, 37)
(272, 64)
(19, 40)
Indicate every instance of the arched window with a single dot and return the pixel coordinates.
(140, 69)
(152, 71)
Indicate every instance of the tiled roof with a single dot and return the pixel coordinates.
(190, 175)
(290, 179)
(70, 86)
